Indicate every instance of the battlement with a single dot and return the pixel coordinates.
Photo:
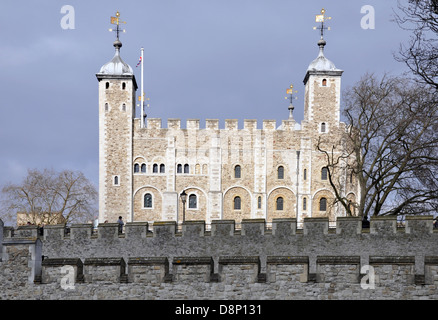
(213, 124)
(345, 226)
(256, 261)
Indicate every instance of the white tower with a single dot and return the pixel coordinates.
(117, 86)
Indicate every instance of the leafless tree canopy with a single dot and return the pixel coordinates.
(392, 133)
(45, 195)
(421, 53)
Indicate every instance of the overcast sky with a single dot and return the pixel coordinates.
(204, 59)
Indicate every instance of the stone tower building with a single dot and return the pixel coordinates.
(227, 173)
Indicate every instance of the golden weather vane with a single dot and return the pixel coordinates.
(290, 91)
(321, 18)
(116, 21)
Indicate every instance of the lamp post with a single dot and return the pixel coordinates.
(183, 197)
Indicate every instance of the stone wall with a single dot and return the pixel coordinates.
(254, 262)
(212, 153)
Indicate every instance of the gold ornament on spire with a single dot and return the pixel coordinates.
(116, 21)
(321, 18)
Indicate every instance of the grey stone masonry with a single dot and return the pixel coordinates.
(254, 262)
(55, 269)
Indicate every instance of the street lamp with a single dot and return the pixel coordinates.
(183, 196)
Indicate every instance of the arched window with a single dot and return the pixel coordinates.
(143, 168)
(279, 203)
(186, 168)
(324, 82)
(304, 204)
(179, 168)
(136, 168)
(155, 168)
(107, 85)
(162, 168)
(280, 172)
(193, 203)
(237, 172)
(305, 174)
(148, 200)
(259, 202)
(197, 169)
(324, 172)
(323, 127)
(123, 107)
(323, 204)
(237, 203)
(116, 180)
(106, 107)
(123, 85)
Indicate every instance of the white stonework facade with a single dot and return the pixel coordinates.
(227, 173)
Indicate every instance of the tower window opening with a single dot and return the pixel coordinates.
(259, 202)
(162, 168)
(155, 168)
(123, 86)
(280, 172)
(193, 203)
(323, 204)
(123, 107)
(237, 172)
(304, 204)
(324, 173)
(136, 168)
(305, 174)
(323, 127)
(107, 85)
(116, 180)
(143, 168)
(186, 168)
(148, 200)
(324, 82)
(237, 203)
(279, 203)
(179, 168)
(106, 107)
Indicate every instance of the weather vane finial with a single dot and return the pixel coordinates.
(116, 21)
(290, 91)
(322, 18)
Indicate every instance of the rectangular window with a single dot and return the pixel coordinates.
(193, 201)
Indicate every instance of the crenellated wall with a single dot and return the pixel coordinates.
(211, 152)
(253, 262)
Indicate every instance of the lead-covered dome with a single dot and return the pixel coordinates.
(321, 63)
(116, 66)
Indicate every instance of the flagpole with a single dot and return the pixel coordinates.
(142, 93)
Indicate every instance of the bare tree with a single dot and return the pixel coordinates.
(390, 147)
(48, 197)
(420, 54)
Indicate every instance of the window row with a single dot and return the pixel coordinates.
(237, 170)
(280, 173)
(107, 85)
(155, 168)
(237, 202)
(279, 203)
(148, 201)
(180, 168)
(123, 108)
(142, 168)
